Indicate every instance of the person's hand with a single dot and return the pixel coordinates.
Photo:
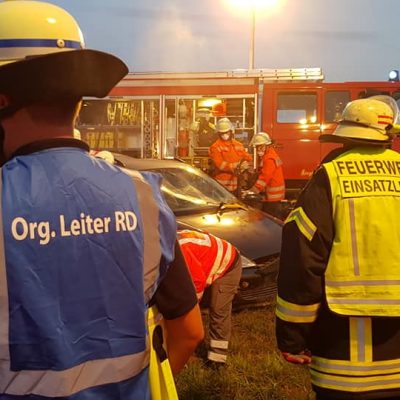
(244, 166)
(253, 189)
(302, 358)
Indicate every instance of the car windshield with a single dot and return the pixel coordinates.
(191, 190)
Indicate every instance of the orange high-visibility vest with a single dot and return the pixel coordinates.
(207, 257)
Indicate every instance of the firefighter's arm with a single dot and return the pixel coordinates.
(247, 156)
(306, 242)
(267, 170)
(220, 162)
(265, 176)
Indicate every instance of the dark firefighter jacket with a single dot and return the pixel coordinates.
(338, 286)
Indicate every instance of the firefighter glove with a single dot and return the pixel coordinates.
(253, 189)
(302, 358)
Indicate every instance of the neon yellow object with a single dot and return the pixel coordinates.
(362, 277)
(54, 30)
(161, 380)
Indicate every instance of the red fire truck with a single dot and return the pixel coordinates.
(158, 115)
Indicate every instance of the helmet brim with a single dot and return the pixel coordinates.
(66, 74)
(330, 138)
(349, 133)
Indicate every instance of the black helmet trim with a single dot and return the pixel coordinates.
(65, 74)
(329, 138)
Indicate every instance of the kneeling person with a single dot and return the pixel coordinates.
(214, 263)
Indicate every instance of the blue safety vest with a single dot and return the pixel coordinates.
(85, 246)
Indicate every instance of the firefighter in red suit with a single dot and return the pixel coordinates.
(228, 155)
(214, 263)
(270, 179)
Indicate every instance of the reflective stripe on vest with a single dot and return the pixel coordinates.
(362, 276)
(208, 257)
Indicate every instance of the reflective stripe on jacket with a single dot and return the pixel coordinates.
(354, 358)
(364, 279)
(79, 236)
(208, 257)
(270, 179)
(226, 155)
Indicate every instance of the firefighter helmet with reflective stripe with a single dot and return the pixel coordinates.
(367, 119)
(42, 55)
(224, 125)
(259, 139)
(42, 28)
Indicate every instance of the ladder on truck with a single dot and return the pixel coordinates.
(266, 74)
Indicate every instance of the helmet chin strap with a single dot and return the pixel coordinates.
(2, 155)
(7, 111)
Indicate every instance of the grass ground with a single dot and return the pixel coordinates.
(255, 369)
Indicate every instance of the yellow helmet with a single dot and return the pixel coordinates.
(42, 55)
(77, 134)
(259, 139)
(369, 119)
(42, 28)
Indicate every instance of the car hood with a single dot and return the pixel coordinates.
(255, 234)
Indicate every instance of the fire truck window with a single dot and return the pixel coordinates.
(335, 101)
(300, 108)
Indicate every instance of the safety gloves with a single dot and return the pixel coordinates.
(302, 358)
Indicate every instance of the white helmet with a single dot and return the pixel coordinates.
(259, 139)
(369, 119)
(224, 125)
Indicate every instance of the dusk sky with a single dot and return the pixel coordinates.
(349, 39)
